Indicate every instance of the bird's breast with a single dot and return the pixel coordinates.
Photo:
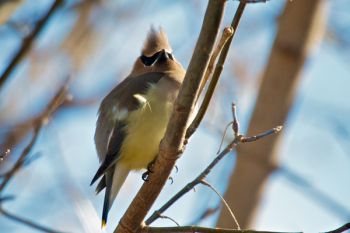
(146, 125)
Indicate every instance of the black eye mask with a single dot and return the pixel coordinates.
(149, 61)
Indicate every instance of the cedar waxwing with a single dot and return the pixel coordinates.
(133, 116)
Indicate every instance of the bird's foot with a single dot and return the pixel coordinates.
(150, 169)
(176, 169)
(150, 166)
(145, 176)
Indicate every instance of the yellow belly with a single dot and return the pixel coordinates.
(145, 129)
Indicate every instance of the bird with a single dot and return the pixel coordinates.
(133, 117)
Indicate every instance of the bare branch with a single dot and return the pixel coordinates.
(193, 229)
(217, 72)
(297, 27)
(226, 34)
(27, 222)
(171, 219)
(341, 229)
(235, 123)
(237, 140)
(223, 136)
(264, 134)
(59, 98)
(189, 186)
(223, 201)
(27, 42)
(172, 144)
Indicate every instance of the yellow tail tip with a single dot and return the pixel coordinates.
(103, 225)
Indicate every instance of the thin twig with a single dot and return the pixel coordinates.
(341, 229)
(223, 201)
(264, 134)
(59, 98)
(217, 72)
(8, 175)
(27, 42)
(197, 229)
(23, 129)
(237, 140)
(235, 123)
(226, 34)
(189, 186)
(223, 136)
(27, 222)
(169, 218)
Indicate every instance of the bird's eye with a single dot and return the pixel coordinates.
(171, 56)
(148, 61)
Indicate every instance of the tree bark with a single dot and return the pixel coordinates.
(172, 144)
(301, 24)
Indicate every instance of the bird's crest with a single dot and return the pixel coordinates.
(155, 42)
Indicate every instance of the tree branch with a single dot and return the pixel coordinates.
(206, 183)
(226, 34)
(297, 27)
(27, 222)
(27, 42)
(193, 229)
(341, 229)
(216, 75)
(59, 98)
(172, 144)
(237, 140)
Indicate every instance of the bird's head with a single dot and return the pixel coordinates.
(157, 56)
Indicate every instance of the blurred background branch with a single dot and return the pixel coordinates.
(27, 43)
(61, 96)
(26, 222)
(300, 27)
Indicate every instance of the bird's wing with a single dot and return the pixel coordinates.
(117, 104)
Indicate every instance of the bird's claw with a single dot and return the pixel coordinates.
(145, 176)
(150, 167)
(171, 180)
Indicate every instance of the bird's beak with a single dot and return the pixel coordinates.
(163, 56)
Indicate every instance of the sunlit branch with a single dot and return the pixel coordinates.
(237, 140)
(172, 144)
(216, 75)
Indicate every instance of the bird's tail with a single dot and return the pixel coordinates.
(115, 178)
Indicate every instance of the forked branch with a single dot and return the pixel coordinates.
(238, 139)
